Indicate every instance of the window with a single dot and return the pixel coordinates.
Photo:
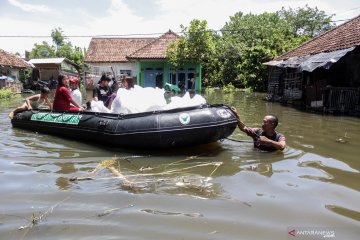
(173, 78)
(95, 70)
(125, 72)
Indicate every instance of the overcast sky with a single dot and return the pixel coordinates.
(100, 17)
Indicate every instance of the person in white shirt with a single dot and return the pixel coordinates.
(74, 90)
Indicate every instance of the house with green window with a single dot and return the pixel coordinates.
(142, 58)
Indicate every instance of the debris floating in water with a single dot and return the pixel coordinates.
(36, 219)
(343, 139)
(175, 177)
(109, 211)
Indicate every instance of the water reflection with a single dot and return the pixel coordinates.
(344, 212)
(66, 168)
(63, 183)
(314, 181)
(158, 212)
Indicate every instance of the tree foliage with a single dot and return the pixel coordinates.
(236, 54)
(42, 50)
(58, 37)
(60, 48)
(307, 21)
(195, 45)
(250, 40)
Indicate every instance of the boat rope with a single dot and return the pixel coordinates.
(241, 141)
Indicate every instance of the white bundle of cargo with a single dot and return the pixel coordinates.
(139, 99)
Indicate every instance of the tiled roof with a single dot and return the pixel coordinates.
(155, 49)
(113, 49)
(7, 59)
(343, 36)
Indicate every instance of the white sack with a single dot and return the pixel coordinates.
(98, 106)
(139, 99)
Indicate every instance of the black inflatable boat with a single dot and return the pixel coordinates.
(160, 129)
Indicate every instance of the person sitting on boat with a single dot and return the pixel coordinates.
(63, 99)
(103, 92)
(127, 83)
(265, 138)
(74, 90)
(34, 102)
(114, 85)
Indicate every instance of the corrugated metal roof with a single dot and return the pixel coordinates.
(311, 62)
(51, 61)
(46, 60)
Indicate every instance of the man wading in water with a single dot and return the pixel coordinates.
(265, 138)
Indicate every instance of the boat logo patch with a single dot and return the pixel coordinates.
(184, 118)
(57, 118)
(223, 113)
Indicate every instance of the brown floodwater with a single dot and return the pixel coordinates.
(225, 190)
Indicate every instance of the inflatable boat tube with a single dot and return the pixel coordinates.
(160, 129)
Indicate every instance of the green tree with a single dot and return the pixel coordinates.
(42, 50)
(237, 55)
(78, 55)
(307, 21)
(65, 50)
(61, 48)
(195, 45)
(250, 40)
(58, 37)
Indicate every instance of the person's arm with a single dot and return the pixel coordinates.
(95, 94)
(48, 103)
(31, 98)
(279, 145)
(74, 103)
(240, 124)
(252, 132)
(79, 97)
(68, 97)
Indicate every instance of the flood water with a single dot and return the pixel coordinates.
(225, 190)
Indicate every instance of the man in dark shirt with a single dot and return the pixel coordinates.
(265, 138)
(103, 92)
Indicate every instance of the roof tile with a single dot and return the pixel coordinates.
(113, 49)
(155, 49)
(8, 59)
(343, 36)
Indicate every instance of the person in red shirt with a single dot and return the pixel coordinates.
(63, 97)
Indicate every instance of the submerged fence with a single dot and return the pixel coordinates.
(344, 100)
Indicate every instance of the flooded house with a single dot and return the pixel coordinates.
(48, 69)
(144, 59)
(322, 74)
(11, 67)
